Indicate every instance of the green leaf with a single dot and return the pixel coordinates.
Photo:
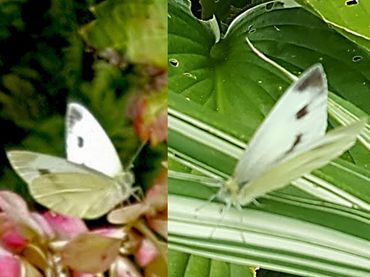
(187, 265)
(228, 77)
(296, 237)
(136, 28)
(220, 9)
(296, 39)
(350, 17)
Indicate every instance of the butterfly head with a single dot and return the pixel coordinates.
(125, 178)
(229, 193)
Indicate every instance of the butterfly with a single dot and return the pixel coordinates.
(290, 142)
(89, 183)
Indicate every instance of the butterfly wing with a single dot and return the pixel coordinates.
(88, 144)
(297, 119)
(83, 195)
(30, 165)
(302, 162)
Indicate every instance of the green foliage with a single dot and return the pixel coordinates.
(136, 28)
(47, 59)
(220, 91)
(186, 265)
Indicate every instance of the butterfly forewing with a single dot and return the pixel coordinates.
(316, 155)
(30, 165)
(83, 195)
(88, 144)
(297, 119)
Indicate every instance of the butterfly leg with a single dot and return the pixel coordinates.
(137, 193)
(256, 203)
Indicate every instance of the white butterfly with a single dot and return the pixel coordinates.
(290, 142)
(89, 183)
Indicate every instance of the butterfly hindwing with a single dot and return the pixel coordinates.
(83, 195)
(88, 144)
(297, 119)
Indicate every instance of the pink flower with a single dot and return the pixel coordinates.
(65, 227)
(9, 264)
(51, 242)
(146, 253)
(14, 241)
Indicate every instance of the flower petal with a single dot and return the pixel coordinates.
(45, 226)
(9, 264)
(146, 253)
(35, 256)
(90, 253)
(65, 227)
(115, 233)
(16, 210)
(13, 241)
(127, 214)
(123, 267)
(156, 268)
(159, 224)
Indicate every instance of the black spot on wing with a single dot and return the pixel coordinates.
(298, 140)
(74, 116)
(314, 79)
(80, 142)
(302, 112)
(43, 171)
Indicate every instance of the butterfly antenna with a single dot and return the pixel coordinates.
(136, 154)
(206, 203)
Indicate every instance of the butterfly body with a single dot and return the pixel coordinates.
(290, 142)
(230, 193)
(89, 183)
(125, 180)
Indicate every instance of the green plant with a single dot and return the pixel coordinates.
(221, 85)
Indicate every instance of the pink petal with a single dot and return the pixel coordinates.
(45, 226)
(6, 224)
(65, 227)
(146, 253)
(116, 233)
(14, 241)
(157, 197)
(16, 209)
(123, 267)
(9, 265)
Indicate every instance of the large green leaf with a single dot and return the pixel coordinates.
(350, 17)
(271, 240)
(296, 39)
(231, 79)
